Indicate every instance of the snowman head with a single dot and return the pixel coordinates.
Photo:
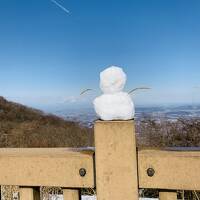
(112, 80)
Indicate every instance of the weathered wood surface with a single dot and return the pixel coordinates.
(120, 170)
(69, 194)
(29, 194)
(173, 169)
(116, 162)
(46, 167)
(167, 196)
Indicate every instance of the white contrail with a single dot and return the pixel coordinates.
(60, 6)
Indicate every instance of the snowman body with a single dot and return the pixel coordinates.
(113, 104)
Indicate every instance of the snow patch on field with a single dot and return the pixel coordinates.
(88, 198)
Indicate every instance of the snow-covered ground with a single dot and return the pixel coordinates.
(94, 198)
(88, 198)
(60, 197)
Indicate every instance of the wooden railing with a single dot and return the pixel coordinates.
(115, 168)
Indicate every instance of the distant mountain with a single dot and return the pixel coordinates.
(21, 126)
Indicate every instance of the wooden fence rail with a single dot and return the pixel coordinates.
(115, 168)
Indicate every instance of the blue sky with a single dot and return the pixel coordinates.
(48, 56)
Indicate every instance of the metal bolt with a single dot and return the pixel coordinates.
(150, 172)
(82, 172)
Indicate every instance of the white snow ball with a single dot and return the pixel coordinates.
(117, 106)
(112, 80)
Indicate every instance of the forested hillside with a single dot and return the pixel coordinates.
(21, 126)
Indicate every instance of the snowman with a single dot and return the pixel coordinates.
(114, 103)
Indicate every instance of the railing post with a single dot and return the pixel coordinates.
(167, 195)
(116, 160)
(69, 194)
(29, 193)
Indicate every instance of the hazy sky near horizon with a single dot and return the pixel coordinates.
(48, 55)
